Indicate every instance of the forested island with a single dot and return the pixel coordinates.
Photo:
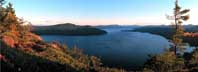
(67, 29)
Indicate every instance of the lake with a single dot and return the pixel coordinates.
(117, 48)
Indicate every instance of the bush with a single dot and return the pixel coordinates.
(166, 62)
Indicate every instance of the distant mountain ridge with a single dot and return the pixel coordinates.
(67, 29)
(116, 26)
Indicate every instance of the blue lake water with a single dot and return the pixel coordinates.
(120, 49)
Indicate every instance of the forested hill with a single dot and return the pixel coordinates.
(67, 29)
(191, 28)
(167, 31)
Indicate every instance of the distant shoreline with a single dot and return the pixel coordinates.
(167, 32)
(67, 29)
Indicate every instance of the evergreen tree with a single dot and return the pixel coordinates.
(179, 17)
(9, 21)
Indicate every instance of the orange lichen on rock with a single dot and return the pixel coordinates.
(9, 41)
(33, 36)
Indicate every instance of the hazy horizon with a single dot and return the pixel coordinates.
(109, 24)
(101, 12)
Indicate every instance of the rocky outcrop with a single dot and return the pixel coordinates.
(9, 41)
(27, 42)
(32, 36)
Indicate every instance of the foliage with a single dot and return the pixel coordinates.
(73, 59)
(9, 21)
(179, 17)
(170, 61)
(31, 54)
(193, 62)
(17, 60)
(166, 62)
(194, 59)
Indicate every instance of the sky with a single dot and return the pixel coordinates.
(101, 12)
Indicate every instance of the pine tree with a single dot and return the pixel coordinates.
(9, 21)
(179, 17)
(2, 14)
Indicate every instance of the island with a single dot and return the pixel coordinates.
(67, 29)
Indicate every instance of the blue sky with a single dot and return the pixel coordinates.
(100, 12)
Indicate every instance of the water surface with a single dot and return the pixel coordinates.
(120, 49)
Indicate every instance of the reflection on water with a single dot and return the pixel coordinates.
(116, 48)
